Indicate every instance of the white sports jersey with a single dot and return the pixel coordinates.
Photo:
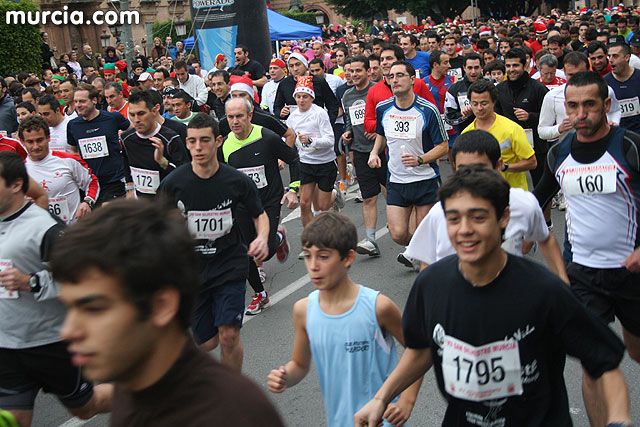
(62, 175)
(314, 123)
(58, 136)
(602, 204)
(269, 94)
(430, 242)
(415, 130)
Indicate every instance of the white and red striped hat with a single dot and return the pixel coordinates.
(305, 85)
(484, 31)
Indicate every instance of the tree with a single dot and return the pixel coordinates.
(364, 9)
(164, 29)
(21, 46)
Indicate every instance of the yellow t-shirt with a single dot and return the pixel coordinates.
(514, 146)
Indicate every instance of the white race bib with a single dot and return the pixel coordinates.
(60, 208)
(456, 72)
(257, 175)
(209, 224)
(529, 133)
(481, 373)
(629, 107)
(401, 127)
(356, 114)
(463, 101)
(5, 293)
(93, 148)
(589, 179)
(447, 126)
(145, 181)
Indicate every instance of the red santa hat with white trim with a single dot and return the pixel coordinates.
(305, 85)
(484, 31)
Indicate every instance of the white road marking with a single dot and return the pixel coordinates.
(301, 282)
(274, 299)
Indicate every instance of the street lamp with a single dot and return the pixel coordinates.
(319, 17)
(181, 27)
(104, 39)
(116, 31)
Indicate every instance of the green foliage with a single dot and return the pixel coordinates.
(306, 17)
(20, 45)
(164, 29)
(364, 9)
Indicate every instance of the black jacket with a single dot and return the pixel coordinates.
(525, 93)
(324, 96)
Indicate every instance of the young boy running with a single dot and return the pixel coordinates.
(348, 328)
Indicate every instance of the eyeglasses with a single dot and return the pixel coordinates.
(397, 76)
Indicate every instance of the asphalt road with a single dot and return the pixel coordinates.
(268, 337)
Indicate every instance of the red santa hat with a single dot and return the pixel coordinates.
(540, 28)
(278, 63)
(305, 85)
(121, 65)
(484, 31)
(243, 84)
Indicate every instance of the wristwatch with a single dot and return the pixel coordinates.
(505, 167)
(34, 283)
(90, 202)
(420, 161)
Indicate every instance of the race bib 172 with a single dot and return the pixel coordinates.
(145, 181)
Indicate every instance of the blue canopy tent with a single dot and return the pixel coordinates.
(280, 28)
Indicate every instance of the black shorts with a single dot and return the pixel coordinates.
(110, 192)
(323, 174)
(370, 179)
(24, 372)
(219, 305)
(248, 229)
(608, 293)
(339, 147)
(419, 193)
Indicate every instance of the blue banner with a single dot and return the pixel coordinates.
(215, 26)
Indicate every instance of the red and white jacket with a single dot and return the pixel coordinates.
(10, 144)
(556, 82)
(62, 175)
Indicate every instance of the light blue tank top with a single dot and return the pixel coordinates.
(352, 356)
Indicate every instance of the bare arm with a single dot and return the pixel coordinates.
(553, 256)
(290, 137)
(523, 165)
(298, 367)
(390, 319)
(260, 82)
(37, 193)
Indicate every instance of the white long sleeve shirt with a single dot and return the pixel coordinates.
(62, 175)
(553, 113)
(314, 123)
(196, 88)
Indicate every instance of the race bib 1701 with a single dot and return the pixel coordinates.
(589, 179)
(60, 208)
(5, 293)
(490, 371)
(93, 148)
(145, 181)
(629, 107)
(401, 127)
(211, 224)
(257, 175)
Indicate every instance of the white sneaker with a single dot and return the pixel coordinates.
(301, 255)
(407, 261)
(338, 203)
(368, 247)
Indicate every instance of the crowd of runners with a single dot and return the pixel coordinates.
(137, 202)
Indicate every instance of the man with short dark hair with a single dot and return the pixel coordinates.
(182, 103)
(151, 151)
(94, 135)
(520, 100)
(114, 94)
(598, 57)
(220, 88)
(249, 66)
(483, 308)
(597, 169)
(625, 82)
(144, 346)
(67, 89)
(458, 111)
(419, 60)
(190, 83)
(209, 195)
(32, 354)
